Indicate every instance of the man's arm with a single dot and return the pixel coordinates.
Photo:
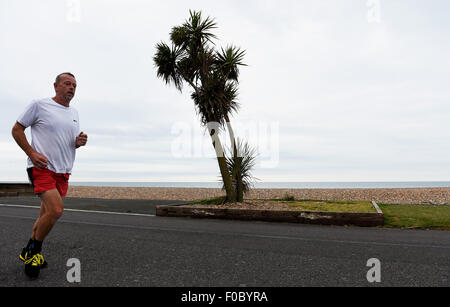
(18, 133)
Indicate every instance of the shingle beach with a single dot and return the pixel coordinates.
(419, 196)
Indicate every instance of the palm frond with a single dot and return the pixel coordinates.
(165, 60)
(229, 60)
(201, 28)
(180, 36)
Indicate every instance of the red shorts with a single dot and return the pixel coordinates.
(45, 180)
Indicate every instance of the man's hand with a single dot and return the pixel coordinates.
(81, 140)
(39, 160)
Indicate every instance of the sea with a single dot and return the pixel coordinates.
(277, 185)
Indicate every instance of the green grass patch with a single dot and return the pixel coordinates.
(210, 201)
(416, 216)
(305, 205)
(330, 202)
(330, 206)
(288, 197)
(396, 216)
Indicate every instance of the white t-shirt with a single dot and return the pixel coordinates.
(54, 129)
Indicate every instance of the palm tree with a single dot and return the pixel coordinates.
(213, 76)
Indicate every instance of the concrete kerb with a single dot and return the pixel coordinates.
(299, 217)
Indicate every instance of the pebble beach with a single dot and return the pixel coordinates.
(412, 196)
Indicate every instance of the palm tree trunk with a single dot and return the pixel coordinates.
(231, 194)
(227, 180)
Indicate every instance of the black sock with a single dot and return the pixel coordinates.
(36, 247)
(29, 244)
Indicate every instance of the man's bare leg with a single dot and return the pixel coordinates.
(53, 210)
(41, 214)
(32, 241)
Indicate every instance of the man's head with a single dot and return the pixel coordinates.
(65, 86)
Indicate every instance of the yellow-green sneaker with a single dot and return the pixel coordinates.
(26, 255)
(33, 265)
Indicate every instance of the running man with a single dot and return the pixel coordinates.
(56, 135)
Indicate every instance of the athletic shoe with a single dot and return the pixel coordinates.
(33, 266)
(27, 255)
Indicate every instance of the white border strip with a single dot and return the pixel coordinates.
(83, 211)
(376, 207)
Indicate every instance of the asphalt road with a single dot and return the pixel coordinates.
(143, 250)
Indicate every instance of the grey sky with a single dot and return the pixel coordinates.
(354, 100)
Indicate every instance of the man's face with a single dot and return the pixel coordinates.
(66, 87)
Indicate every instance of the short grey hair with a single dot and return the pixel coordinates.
(58, 77)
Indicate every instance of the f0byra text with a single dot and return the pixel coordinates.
(246, 297)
